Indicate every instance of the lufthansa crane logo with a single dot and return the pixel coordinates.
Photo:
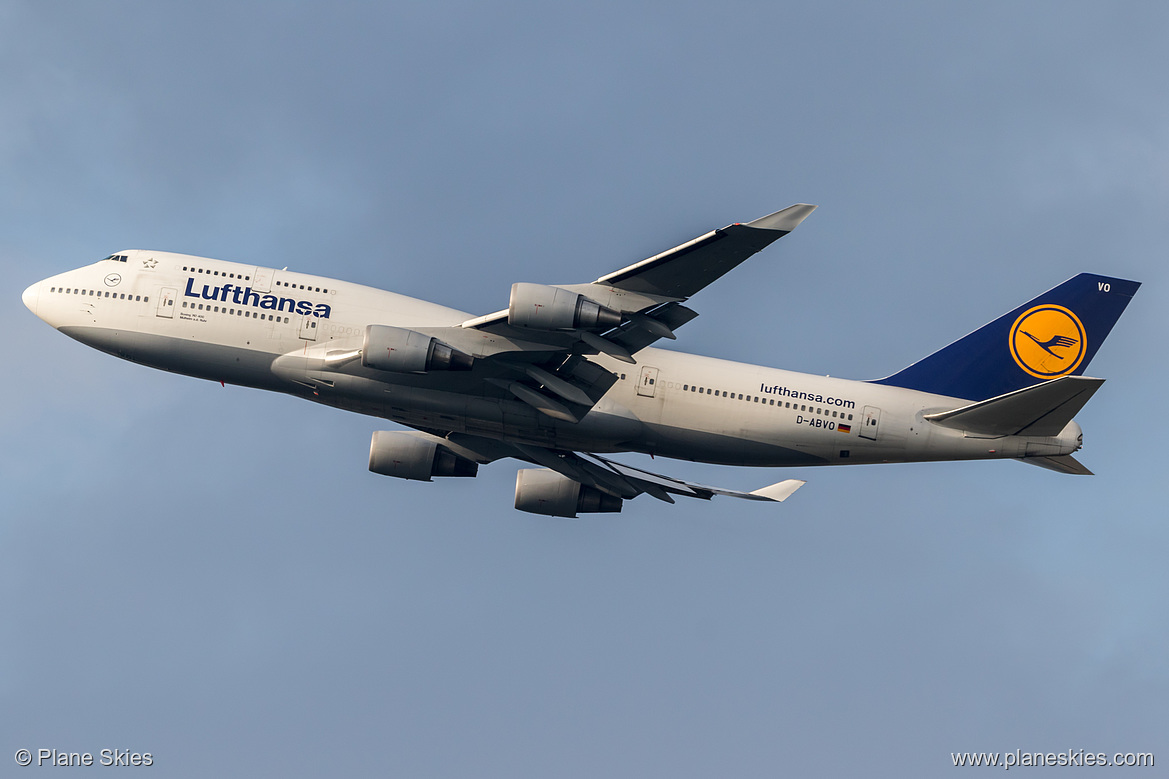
(1047, 341)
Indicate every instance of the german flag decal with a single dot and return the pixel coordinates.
(844, 428)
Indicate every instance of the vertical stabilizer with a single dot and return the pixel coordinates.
(1053, 335)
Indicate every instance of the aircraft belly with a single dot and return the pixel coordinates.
(724, 449)
(217, 362)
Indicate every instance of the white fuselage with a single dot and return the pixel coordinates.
(271, 329)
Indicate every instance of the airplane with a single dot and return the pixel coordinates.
(567, 374)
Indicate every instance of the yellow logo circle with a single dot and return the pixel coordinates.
(1047, 341)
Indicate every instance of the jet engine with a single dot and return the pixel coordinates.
(551, 308)
(400, 350)
(542, 491)
(408, 456)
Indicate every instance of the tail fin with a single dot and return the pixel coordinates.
(1054, 335)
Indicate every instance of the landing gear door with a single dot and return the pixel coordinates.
(870, 423)
(308, 327)
(166, 302)
(647, 384)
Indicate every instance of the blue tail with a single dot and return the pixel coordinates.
(1056, 334)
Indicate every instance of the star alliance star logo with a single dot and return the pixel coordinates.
(150, 263)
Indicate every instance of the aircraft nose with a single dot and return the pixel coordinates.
(31, 296)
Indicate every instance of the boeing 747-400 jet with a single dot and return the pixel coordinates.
(567, 375)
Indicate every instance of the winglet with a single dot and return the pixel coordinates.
(786, 220)
(780, 491)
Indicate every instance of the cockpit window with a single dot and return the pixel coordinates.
(116, 258)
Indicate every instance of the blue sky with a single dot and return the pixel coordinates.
(211, 575)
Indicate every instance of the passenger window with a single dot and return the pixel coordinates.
(685, 387)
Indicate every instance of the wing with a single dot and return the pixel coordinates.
(593, 472)
(684, 270)
(537, 349)
(653, 287)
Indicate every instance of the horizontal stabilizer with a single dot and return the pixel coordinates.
(1061, 464)
(1040, 410)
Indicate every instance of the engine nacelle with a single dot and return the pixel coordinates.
(542, 491)
(400, 350)
(552, 308)
(407, 456)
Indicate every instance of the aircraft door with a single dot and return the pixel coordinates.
(308, 327)
(166, 302)
(870, 423)
(262, 279)
(647, 384)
